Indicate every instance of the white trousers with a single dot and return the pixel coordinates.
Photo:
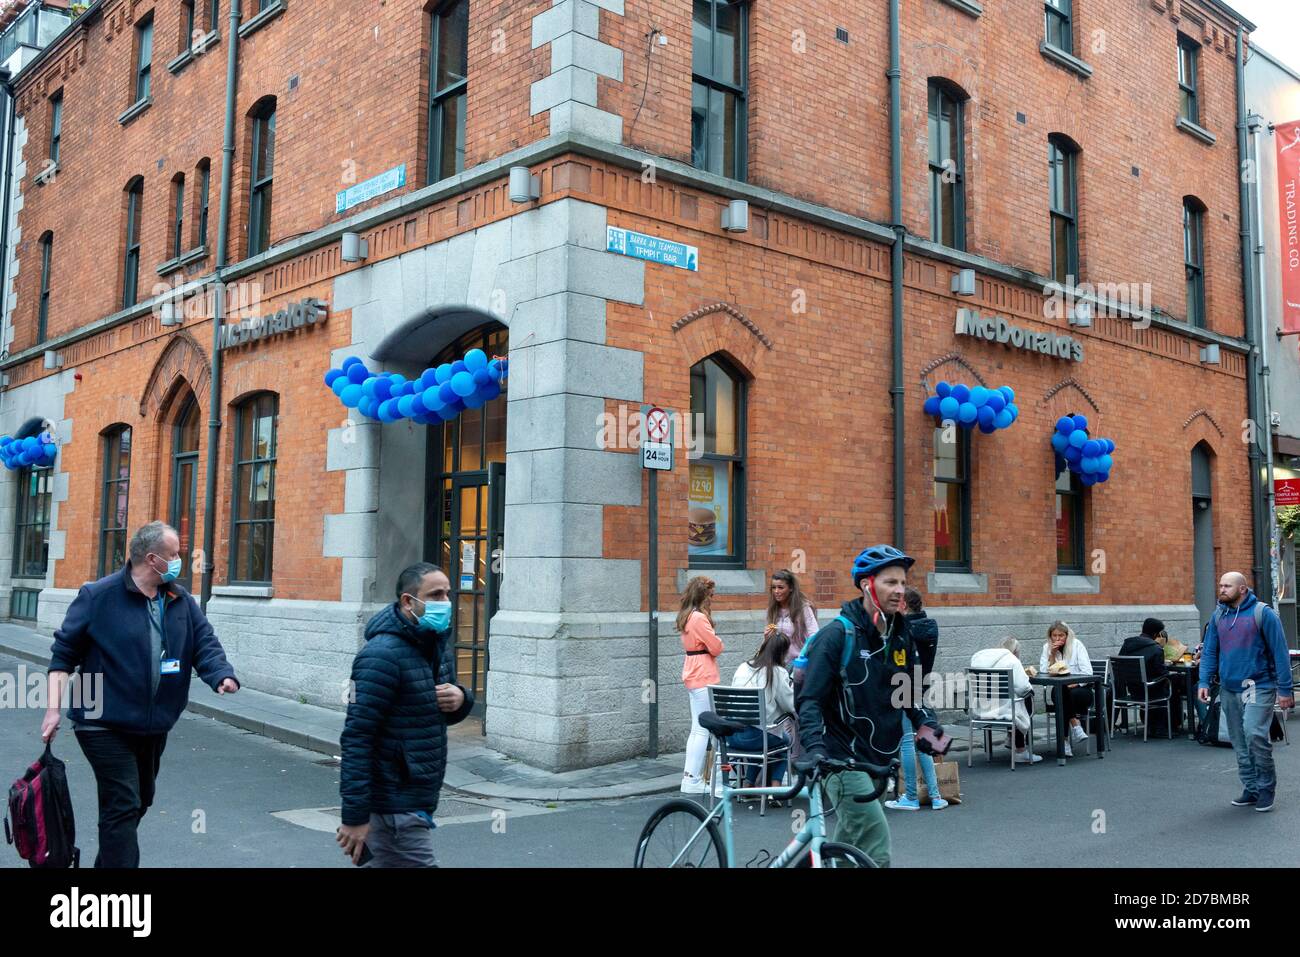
(697, 745)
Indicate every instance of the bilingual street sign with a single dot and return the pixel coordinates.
(653, 249)
(385, 182)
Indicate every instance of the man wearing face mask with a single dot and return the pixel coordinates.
(395, 737)
(142, 634)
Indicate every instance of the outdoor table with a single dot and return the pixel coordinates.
(1190, 675)
(1058, 686)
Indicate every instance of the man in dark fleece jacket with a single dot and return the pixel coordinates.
(1246, 648)
(139, 634)
(395, 737)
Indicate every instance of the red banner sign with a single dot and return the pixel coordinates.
(1286, 492)
(1287, 137)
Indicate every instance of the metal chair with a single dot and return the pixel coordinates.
(989, 691)
(747, 707)
(1131, 671)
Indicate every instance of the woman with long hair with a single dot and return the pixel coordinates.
(790, 613)
(766, 670)
(1063, 645)
(700, 670)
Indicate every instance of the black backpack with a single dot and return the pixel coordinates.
(40, 821)
(1214, 730)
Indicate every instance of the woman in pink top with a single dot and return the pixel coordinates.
(698, 672)
(790, 613)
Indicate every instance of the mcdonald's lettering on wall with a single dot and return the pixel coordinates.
(296, 315)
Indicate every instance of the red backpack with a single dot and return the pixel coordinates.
(40, 809)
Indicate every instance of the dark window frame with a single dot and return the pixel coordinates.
(1077, 492)
(189, 17)
(178, 214)
(56, 126)
(938, 93)
(261, 182)
(214, 14)
(253, 404)
(205, 187)
(964, 562)
(1194, 260)
(1059, 13)
(701, 158)
(24, 526)
(1189, 62)
(109, 485)
(441, 98)
(1061, 154)
(43, 312)
(144, 57)
(739, 461)
(131, 264)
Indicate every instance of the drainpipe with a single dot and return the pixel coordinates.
(1260, 575)
(1255, 122)
(218, 311)
(10, 119)
(896, 271)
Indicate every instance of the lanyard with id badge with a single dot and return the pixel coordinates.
(168, 666)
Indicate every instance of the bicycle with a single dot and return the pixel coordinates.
(706, 846)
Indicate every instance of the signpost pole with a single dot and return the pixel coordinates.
(653, 600)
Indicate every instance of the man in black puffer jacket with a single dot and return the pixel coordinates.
(395, 738)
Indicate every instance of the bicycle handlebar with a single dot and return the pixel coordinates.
(880, 774)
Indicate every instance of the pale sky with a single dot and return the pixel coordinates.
(1277, 27)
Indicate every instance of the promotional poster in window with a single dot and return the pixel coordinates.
(709, 517)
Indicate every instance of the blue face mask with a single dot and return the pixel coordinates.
(436, 617)
(173, 570)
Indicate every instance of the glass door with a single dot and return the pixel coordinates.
(471, 552)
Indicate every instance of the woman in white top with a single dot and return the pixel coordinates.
(1003, 658)
(766, 670)
(1063, 645)
(790, 613)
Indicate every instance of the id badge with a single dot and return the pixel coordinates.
(171, 666)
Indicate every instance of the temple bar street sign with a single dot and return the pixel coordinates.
(997, 329)
(296, 315)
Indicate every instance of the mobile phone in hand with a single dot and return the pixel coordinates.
(939, 744)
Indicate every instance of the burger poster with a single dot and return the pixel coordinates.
(708, 518)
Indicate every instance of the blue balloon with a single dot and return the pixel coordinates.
(943, 389)
(1078, 438)
(996, 401)
(1080, 423)
(459, 366)
(967, 413)
(1088, 479)
(341, 383)
(383, 388)
(404, 406)
(505, 368)
(481, 378)
(332, 375)
(961, 392)
(427, 379)
(358, 373)
(948, 407)
(446, 393)
(432, 400)
(417, 403)
(988, 429)
(1088, 463)
(351, 395)
(1091, 449)
(1060, 443)
(932, 405)
(349, 362)
(1008, 393)
(978, 396)
(442, 373)
(494, 366)
(4, 441)
(491, 391)
(1110, 445)
(1014, 410)
(474, 401)
(986, 416)
(1002, 419)
(50, 452)
(1106, 463)
(1065, 425)
(31, 443)
(1103, 475)
(384, 408)
(366, 405)
(1072, 455)
(448, 412)
(476, 359)
(462, 383)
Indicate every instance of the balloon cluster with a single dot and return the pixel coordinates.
(33, 450)
(990, 409)
(438, 395)
(1086, 457)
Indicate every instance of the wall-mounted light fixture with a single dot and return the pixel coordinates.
(524, 186)
(735, 216)
(1210, 354)
(963, 282)
(355, 249)
(53, 360)
(1081, 315)
(170, 313)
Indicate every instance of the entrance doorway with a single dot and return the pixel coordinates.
(185, 485)
(1204, 573)
(466, 515)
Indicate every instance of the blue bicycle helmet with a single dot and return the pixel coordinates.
(871, 560)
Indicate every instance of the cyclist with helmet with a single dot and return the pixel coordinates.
(847, 702)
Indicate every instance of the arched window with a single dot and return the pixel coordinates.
(1069, 520)
(448, 69)
(131, 265)
(113, 533)
(259, 211)
(252, 514)
(716, 504)
(947, 165)
(43, 312)
(1194, 258)
(1062, 165)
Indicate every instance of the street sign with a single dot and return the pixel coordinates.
(657, 455)
(657, 425)
(1287, 492)
(654, 249)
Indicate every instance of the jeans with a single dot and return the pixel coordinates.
(125, 766)
(862, 825)
(1248, 724)
(751, 741)
(400, 840)
(697, 745)
(908, 755)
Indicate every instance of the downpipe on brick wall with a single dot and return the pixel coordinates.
(218, 311)
(896, 272)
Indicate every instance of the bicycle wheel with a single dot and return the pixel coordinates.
(669, 832)
(844, 855)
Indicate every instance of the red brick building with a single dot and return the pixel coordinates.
(1091, 144)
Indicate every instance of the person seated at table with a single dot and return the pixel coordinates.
(1150, 649)
(1003, 658)
(1063, 645)
(766, 670)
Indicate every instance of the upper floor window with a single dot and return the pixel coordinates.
(1062, 165)
(719, 87)
(448, 70)
(1189, 67)
(259, 215)
(205, 186)
(253, 514)
(1069, 520)
(952, 497)
(178, 214)
(1060, 32)
(56, 125)
(43, 315)
(143, 57)
(716, 502)
(131, 265)
(116, 483)
(188, 23)
(214, 14)
(947, 167)
(1194, 258)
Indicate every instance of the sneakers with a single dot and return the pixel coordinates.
(938, 804)
(1077, 734)
(693, 785)
(904, 803)
(1265, 801)
(1247, 799)
(1024, 757)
